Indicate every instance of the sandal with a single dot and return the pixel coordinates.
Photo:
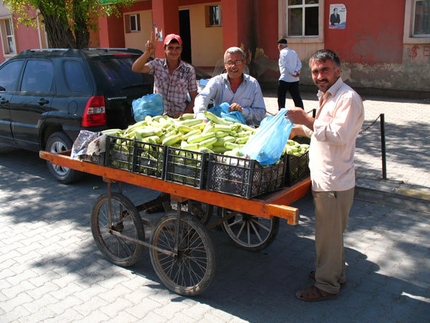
(312, 275)
(314, 294)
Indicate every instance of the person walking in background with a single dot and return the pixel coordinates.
(240, 90)
(289, 68)
(333, 134)
(173, 78)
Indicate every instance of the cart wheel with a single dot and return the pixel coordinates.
(188, 266)
(126, 221)
(249, 232)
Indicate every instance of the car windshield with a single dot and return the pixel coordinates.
(114, 75)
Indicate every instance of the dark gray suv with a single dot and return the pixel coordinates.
(47, 96)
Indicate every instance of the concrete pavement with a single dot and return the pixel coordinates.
(52, 271)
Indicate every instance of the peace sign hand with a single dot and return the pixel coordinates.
(150, 44)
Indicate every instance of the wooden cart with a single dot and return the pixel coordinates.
(180, 249)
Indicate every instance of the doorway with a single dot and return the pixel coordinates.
(185, 33)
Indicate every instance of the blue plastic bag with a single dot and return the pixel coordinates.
(267, 144)
(222, 112)
(148, 105)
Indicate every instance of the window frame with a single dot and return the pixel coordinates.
(283, 24)
(6, 38)
(208, 20)
(129, 25)
(408, 36)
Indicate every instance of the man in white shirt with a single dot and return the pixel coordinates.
(289, 68)
(333, 134)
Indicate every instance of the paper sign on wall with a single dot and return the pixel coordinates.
(337, 16)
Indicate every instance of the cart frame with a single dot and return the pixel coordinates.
(176, 238)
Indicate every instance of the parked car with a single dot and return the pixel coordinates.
(48, 95)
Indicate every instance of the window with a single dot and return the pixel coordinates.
(9, 74)
(213, 16)
(37, 76)
(302, 17)
(7, 36)
(132, 23)
(75, 77)
(301, 21)
(417, 22)
(421, 18)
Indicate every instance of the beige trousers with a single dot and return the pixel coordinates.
(331, 218)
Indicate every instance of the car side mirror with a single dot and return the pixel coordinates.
(2, 89)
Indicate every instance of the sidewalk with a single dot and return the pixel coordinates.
(407, 125)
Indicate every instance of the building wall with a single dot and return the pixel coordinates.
(25, 37)
(375, 48)
(376, 55)
(207, 42)
(138, 39)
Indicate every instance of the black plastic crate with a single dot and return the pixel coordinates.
(185, 167)
(149, 159)
(297, 167)
(243, 177)
(120, 152)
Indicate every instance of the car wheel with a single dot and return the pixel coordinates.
(57, 143)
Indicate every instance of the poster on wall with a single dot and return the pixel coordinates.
(337, 16)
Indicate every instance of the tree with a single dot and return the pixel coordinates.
(67, 22)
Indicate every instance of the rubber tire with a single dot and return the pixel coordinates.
(262, 231)
(192, 269)
(59, 142)
(117, 250)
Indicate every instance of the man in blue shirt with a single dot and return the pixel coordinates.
(240, 90)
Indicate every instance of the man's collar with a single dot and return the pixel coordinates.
(332, 89)
(225, 76)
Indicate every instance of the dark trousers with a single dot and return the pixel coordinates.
(293, 88)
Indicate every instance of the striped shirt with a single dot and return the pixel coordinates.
(173, 87)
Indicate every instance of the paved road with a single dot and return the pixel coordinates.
(51, 270)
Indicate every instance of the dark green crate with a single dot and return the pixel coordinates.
(185, 167)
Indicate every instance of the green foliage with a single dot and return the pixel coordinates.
(64, 18)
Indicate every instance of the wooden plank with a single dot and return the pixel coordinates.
(271, 205)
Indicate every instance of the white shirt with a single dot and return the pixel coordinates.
(336, 127)
(289, 64)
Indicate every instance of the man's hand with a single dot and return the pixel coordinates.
(235, 107)
(299, 116)
(150, 44)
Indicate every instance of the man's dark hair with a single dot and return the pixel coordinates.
(323, 55)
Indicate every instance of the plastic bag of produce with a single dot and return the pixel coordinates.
(267, 144)
(148, 105)
(222, 112)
